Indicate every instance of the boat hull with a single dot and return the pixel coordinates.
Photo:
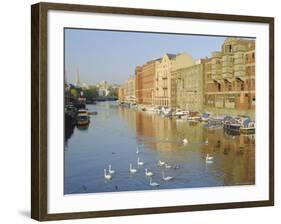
(247, 130)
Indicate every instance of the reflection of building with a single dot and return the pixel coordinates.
(230, 77)
(126, 92)
(189, 83)
(165, 86)
(145, 82)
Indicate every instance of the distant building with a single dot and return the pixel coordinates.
(78, 82)
(77, 79)
(126, 92)
(230, 78)
(103, 88)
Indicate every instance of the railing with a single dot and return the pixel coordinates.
(216, 76)
(239, 67)
(227, 58)
(239, 61)
(239, 74)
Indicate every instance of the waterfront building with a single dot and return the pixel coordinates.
(145, 76)
(126, 92)
(229, 85)
(165, 82)
(189, 87)
(121, 93)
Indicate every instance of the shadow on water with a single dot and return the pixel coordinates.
(69, 125)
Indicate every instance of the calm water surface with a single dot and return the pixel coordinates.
(114, 134)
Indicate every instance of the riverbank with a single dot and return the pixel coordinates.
(237, 122)
(214, 112)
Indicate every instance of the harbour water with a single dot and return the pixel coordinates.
(115, 133)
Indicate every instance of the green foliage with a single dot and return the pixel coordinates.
(74, 93)
(113, 92)
(90, 93)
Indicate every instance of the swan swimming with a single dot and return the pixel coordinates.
(140, 163)
(153, 184)
(184, 141)
(110, 170)
(148, 173)
(167, 166)
(160, 163)
(167, 177)
(132, 170)
(209, 159)
(106, 176)
(138, 151)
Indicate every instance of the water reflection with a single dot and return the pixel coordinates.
(116, 132)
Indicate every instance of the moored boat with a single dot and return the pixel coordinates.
(194, 116)
(205, 116)
(82, 117)
(232, 125)
(247, 127)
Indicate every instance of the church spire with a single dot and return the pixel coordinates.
(77, 79)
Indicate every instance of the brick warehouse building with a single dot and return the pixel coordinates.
(144, 76)
(229, 78)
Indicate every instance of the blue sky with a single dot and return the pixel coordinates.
(113, 56)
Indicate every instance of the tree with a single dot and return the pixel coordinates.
(88, 94)
(74, 93)
(113, 92)
(94, 91)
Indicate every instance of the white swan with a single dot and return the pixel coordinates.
(167, 166)
(184, 141)
(140, 163)
(209, 159)
(110, 170)
(153, 184)
(160, 163)
(138, 151)
(206, 142)
(106, 176)
(148, 173)
(132, 170)
(167, 177)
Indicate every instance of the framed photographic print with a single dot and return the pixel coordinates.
(140, 111)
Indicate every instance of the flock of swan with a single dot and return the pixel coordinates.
(108, 175)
